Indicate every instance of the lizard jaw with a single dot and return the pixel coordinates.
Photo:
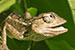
(51, 32)
(60, 29)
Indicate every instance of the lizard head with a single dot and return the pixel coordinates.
(48, 24)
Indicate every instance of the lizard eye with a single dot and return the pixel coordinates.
(51, 16)
(48, 18)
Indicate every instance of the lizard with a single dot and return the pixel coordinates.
(39, 28)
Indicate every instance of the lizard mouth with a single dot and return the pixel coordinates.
(59, 30)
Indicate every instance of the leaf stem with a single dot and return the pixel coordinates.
(31, 44)
(25, 5)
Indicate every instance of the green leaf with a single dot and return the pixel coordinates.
(33, 11)
(14, 44)
(5, 4)
(39, 46)
(58, 45)
(72, 6)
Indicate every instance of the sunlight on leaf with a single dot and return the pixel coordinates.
(72, 5)
(5, 4)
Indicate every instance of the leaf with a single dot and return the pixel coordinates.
(33, 11)
(72, 6)
(61, 7)
(58, 44)
(5, 4)
(15, 44)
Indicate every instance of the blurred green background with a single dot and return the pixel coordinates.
(64, 8)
